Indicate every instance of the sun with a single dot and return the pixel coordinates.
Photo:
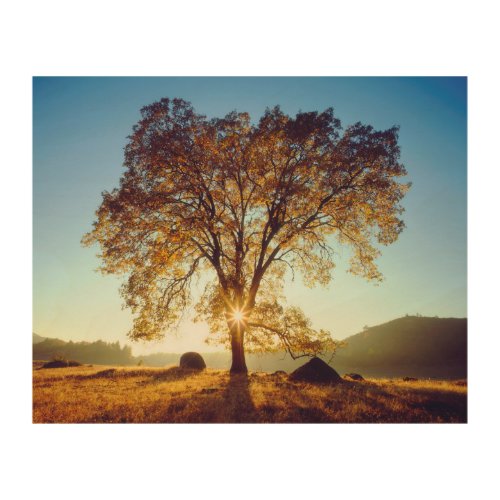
(238, 316)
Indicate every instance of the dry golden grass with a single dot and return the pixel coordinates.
(157, 395)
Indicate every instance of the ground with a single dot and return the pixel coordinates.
(164, 395)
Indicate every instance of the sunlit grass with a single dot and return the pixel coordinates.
(112, 394)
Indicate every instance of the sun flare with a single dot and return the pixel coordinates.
(238, 316)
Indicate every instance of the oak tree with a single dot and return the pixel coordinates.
(240, 204)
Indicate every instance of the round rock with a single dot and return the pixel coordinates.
(192, 361)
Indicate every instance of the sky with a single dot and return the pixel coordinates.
(80, 127)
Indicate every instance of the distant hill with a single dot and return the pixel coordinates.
(37, 338)
(414, 346)
(411, 346)
(98, 352)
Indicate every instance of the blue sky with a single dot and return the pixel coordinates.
(80, 129)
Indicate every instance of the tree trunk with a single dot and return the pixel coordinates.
(237, 335)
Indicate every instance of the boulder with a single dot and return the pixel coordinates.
(280, 373)
(61, 363)
(409, 379)
(316, 371)
(353, 376)
(192, 361)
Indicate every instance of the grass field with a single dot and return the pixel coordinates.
(164, 395)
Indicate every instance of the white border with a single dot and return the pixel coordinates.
(257, 38)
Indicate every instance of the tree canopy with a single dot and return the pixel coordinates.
(241, 204)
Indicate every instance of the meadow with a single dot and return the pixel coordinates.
(107, 394)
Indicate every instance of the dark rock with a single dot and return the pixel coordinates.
(60, 363)
(316, 371)
(209, 390)
(192, 361)
(409, 379)
(280, 373)
(353, 376)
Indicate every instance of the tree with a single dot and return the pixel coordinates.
(246, 202)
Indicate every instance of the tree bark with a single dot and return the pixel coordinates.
(237, 348)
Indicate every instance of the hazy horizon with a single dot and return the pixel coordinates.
(146, 348)
(80, 129)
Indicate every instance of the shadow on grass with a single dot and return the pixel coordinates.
(238, 401)
(422, 405)
(165, 375)
(446, 405)
(227, 402)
